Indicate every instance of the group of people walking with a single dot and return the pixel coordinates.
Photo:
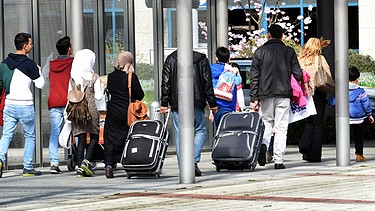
(17, 72)
(273, 65)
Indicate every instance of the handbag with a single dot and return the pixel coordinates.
(297, 113)
(65, 137)
(323, 81)
(136, 110)
(225, 85)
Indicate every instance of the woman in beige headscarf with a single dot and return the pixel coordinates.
(115, 128)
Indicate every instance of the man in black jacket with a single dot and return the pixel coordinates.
(272, 66)
(203, 94)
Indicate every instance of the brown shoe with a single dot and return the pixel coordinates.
(360, 158)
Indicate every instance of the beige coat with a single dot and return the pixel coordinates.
(311, 69)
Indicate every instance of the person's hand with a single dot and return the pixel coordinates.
(214, 109)
(253, 105)
(371, 119)
(163, 109)
(211, 117)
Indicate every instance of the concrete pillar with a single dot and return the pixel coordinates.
(158, 26)
(222, 22)
(185, 91)
(342, 78)
(77, 24)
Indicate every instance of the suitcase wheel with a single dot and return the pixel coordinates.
(217, 168)
(70, 164)
(252, 168)
(157, 176)
(128, 175)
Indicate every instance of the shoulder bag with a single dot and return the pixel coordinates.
(137, 110)
(323, 81)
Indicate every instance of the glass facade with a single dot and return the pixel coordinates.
(105, 28)
(54, 24)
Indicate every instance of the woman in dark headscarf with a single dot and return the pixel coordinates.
(115, 128)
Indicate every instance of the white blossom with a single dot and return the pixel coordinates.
(307, 20)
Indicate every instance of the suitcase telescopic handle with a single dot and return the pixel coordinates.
(157, 111)
(250, 109)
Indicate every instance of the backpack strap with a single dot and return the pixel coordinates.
(130, 75)
(73, 84)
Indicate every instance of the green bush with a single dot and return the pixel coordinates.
(367, 79)
(364, 63)
(293, 44)
(144, 71)
(295, 131)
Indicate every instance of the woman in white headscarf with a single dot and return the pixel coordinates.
(116, 128)
(82, 73)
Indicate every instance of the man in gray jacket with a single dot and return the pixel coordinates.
(272, 66)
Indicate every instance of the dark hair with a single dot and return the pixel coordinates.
(222, 54)
(233, 64)
(21, 39)
(63, 45)
(276, 31)
(353, 73)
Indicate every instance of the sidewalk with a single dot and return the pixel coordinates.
(302, 185)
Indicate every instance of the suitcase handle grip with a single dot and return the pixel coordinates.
(250, 109)
(157, 111)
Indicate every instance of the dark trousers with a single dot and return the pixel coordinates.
(90, 148)
(114, 143)
(113, 152)
(356, 131)
(311, 141)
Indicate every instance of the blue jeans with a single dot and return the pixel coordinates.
(25, 114)
(219, 115)
(199, 133)
(56, 116)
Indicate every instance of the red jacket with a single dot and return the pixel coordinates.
(59, 76)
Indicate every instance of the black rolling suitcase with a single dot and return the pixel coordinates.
(145, 148)
(237, 141)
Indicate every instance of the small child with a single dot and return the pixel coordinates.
(359, 109)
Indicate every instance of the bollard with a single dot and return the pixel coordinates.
(154, 110)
